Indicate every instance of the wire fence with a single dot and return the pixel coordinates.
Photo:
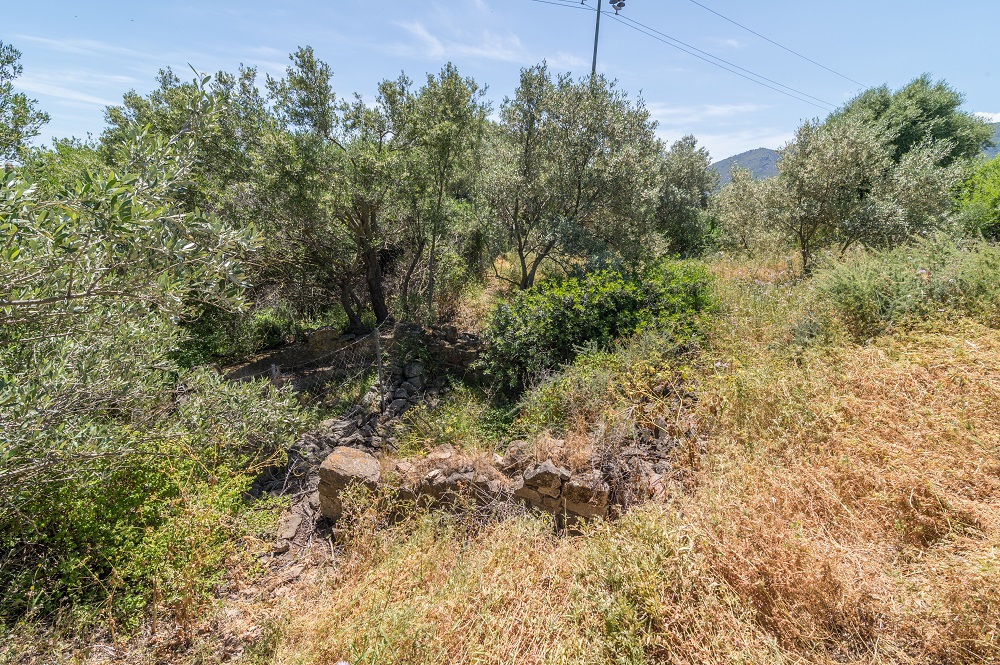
(347, 363)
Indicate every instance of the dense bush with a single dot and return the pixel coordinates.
(541, 328)
(877, 291)
(979, 201)
(117, 514)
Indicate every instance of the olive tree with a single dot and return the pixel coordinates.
(368, 144)
(687, 180)
(20, 121)
(573, 171)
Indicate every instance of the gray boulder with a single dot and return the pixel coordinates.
(341, 469)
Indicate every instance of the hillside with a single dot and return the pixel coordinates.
(995, 150)
(762, 162)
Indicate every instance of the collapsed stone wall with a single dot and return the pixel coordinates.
(570, 498)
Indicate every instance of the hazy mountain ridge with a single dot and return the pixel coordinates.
(762, 163)
(995, 150)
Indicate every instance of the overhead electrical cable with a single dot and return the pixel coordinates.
(571, 5)
(781, 46)
(622, 18)
(749, 75)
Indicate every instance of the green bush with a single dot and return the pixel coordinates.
(112, 517)
(979, 201)
(544, 327)
(877, 291)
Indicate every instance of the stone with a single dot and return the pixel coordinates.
(517, 457)
(324, 339)
(341, 469)
(289, 527)
(586, 495)
(355, 440)
(441, 453)
(458, 480)
(434, 484)
(417, 382)
(413, 369)
(339, 428)
(546, 478)
(397, 407)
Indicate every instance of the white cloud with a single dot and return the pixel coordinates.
(91, 47)
(566, 61)
(61, 92)
(727, 43)
(988, 117)
(490, 46)
(673, 116)
(726, 144)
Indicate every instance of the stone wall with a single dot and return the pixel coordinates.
(570, 498)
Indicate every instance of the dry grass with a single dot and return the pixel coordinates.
(846, 509)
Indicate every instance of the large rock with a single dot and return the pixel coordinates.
(343, 468)
(586, 496)
(517, 458)
(546, 478)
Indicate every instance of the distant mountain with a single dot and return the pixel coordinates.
(762, 163)
(995, 150)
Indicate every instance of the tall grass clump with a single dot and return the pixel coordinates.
(878, 291)
(542, 328)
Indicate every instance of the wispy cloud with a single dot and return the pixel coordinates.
(988, 117)
(489, 46)
(727, 43)
(563, 60)
(61, 92)
(672, 116)
(91, 47)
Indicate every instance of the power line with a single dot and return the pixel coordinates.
(571, 5)
(621, 19)
(781, 46)
(694, 51)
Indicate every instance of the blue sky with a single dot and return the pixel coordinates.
(79, 57)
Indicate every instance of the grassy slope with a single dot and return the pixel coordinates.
(845, 508)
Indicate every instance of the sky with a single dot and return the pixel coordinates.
(808, 57)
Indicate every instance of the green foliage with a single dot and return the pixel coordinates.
(979, 201)
(839, 185)
(572, 173)
(741, 214)
(114, 514)
(921, 111)
(19, 119)
(878, 291)
(465, 418)
(542, 328)
(687, 180)
(600, 384)
(117, 467)
(219, 334)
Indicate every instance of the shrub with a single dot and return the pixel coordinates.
(544, 327)
(114, 515)
(877, 291)
(979, 201)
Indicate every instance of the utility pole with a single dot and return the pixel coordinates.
(617, 5)
(597, 35)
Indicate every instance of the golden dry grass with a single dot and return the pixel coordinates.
(845, 508)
